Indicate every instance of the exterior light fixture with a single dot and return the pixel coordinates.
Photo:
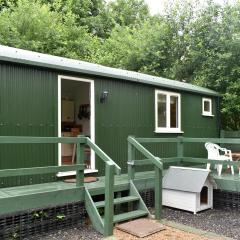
(104, 96)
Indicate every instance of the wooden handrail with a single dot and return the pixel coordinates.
(155, 160)
(189, 140)
(158, 167)
(211, 161)
(103, 156)
(110, 168)
(29, 140)
(39, 170)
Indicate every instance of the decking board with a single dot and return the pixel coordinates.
(39, 195)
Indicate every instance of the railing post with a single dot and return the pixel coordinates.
(131, 157)
(158, 192)
(80, 160)
(180, 148)
(109, 196)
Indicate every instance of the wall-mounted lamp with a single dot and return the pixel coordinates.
(104, 96)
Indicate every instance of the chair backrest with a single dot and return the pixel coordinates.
(213, 150)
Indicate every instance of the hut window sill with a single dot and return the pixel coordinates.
(168, 131)
(207, 115)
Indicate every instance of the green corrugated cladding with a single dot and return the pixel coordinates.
(28, 107)
(129, 110)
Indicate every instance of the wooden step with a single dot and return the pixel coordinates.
(129, 215)
(118, 201)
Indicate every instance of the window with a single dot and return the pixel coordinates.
(167, 112)
(207, 107)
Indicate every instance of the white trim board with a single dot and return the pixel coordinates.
(92, 115)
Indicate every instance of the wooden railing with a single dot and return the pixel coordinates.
(133, 145)
(110, 168)
(180, 141)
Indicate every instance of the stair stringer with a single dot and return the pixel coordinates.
(93, 213)
(134, 192)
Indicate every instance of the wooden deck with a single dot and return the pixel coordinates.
(13, 196)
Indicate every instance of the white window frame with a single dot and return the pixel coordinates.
(207, 113)
(167, 129)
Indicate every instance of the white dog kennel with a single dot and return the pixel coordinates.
(189, 189)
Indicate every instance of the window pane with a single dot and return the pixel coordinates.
(206, 106)
(173, 111)
(162, 108)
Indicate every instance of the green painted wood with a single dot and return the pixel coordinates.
(41, 170)
(93, 213)
(189, 140)
(158, 193)
(134, 192)
(158, 165)
(214, 140)
(121, 186)
(80, 160)
(180, 147)
(157, 140)
(171, 160)
(131, 157)
(145, 152)
(40, 199)
(109, 196)
(212, 161)
(142, 162)
(30, 140)
(129, 215)
(118, 201)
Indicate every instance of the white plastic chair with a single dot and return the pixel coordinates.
(214, 153)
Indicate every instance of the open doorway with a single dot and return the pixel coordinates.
(75, 117)
(204, 195)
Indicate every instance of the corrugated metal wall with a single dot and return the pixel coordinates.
(28, 101)
(28, 106)
(129, 110)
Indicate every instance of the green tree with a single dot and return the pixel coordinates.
(31, 25)
(129, 12)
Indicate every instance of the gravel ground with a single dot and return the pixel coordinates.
(222, 222)
(75, 233)
(88, 233)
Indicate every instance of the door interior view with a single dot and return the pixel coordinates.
(75, 118)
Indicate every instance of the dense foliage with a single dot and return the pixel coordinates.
(198, 43)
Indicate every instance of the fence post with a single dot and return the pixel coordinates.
(109, 196)
(131, 157)
(180, 148)
(80, 160)
(158, 193)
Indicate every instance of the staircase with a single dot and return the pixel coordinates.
(127, 204)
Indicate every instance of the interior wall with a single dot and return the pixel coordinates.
(79, 92)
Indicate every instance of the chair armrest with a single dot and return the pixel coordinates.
(225, 150)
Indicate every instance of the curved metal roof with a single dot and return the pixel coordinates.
(49, 61)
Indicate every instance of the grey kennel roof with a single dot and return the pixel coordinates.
(49, 61)
(185, 179)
